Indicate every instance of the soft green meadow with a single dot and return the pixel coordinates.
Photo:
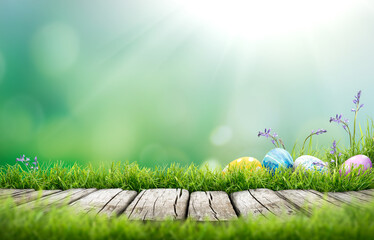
(132, 177)
(198, 178)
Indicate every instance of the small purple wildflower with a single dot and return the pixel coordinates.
(356, 101)
(266, 133)
(333, 151)
(274, 137)
(338, 119)
(27, 162)
(318, 132)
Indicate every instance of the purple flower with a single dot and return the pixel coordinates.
(333, 151)
(319, 132)
(332, 160)
(356, 101)
(338, 120)
(27, 163)
(266, 133)
(274, 137)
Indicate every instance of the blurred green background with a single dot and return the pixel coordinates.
(159, 82)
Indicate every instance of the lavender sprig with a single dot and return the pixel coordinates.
(338, 119)
(26, 161)
(318, 132)
(333, 152)
(356, 101)
(274, 137)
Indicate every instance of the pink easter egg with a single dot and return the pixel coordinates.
(357, 162)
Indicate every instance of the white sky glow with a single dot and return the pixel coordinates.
(259, 18)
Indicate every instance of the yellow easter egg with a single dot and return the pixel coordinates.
(243, 162)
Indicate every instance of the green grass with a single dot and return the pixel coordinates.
(132, 177)
(61, 223)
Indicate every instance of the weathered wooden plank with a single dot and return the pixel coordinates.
(326, 197)
(369, 192)
(246, 205)
(95, 201)
(158, 204)
(212, 205)
(303, 200)
(60, 198)
(272, 202)
(31, 196)
(119, 203)
(360, 197)
(4, 193)
(344, 197)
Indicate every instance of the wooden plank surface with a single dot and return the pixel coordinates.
(326, 197)
(119, 203)
(95, 201)
(33, 195)
(344, 197)
(4, 193)
(212, 205)
(158, 204)
(360, 197)
(272, 202)
(61, 198)
(246, 205)
(302, 200)
(369, 192)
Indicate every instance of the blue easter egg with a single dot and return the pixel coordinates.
(310, 163)
(277, 158)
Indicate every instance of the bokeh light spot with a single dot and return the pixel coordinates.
(55, 48)
(221, 135)
(212, 164)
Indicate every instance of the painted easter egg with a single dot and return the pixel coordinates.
(310, 163)
(357, 161)
(243, 162)
(277, 158)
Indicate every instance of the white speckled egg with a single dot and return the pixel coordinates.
(308, 162)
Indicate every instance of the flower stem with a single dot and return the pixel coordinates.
(353, 146)
(349, 132)
(302, 149)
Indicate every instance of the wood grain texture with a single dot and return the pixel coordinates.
(212, 205)
(119, 203)
(4, 193)
(246, 205)
(95, 201)
(61, 198)
(272, 202)
(302, 200)
(344, 197)
(33, 195)
(369, 192)
(360, 197)
(158, 204)
(326, 197)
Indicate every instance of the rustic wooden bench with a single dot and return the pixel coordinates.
(178, 204)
